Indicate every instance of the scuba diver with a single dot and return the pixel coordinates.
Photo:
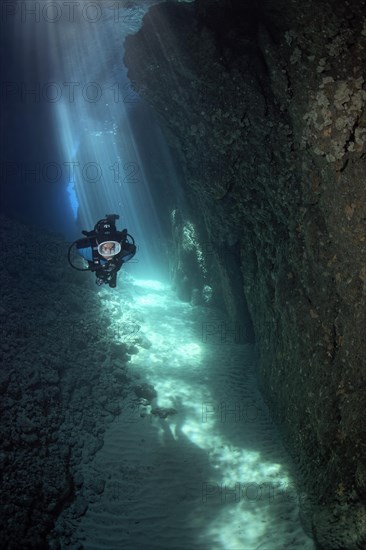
(105, 249)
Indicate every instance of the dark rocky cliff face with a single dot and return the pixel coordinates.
(265, 110)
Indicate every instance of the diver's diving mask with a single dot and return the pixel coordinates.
(109, 248)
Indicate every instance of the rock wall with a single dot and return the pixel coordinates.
(63, 372)
(265, 109)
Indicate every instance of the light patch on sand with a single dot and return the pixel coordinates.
(214, 475)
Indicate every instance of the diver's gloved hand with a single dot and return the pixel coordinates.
(99, 281)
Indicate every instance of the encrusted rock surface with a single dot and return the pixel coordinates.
(265, 108)
(62, 377)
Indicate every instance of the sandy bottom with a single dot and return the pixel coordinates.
(212, 476)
